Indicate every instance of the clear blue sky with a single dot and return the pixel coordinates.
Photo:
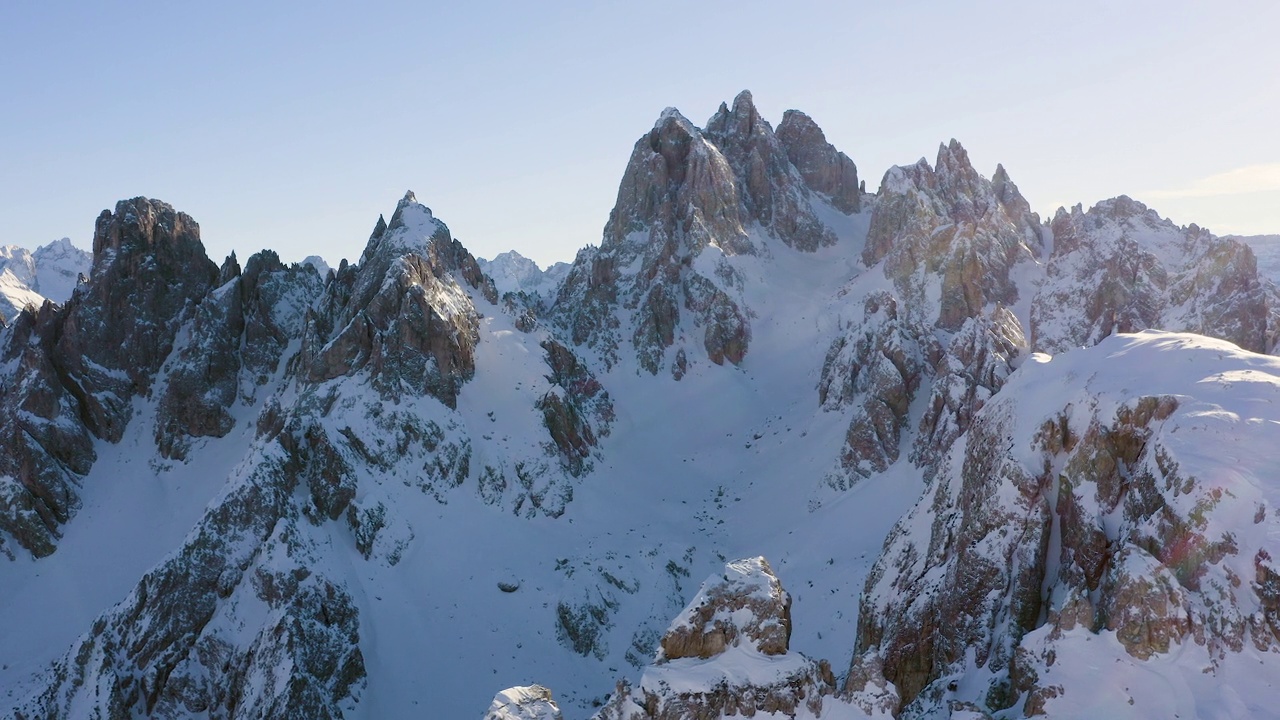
(292, 125)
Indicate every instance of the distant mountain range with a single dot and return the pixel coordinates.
(30, 278)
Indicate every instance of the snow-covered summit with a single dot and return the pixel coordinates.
(58, 266)
(513, 272)
(48, 273)
(318, 263)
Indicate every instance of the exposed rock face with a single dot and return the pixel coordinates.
(690, 201)
(741, 622)
(676, 199)
(1120, 267)
(1050, 519)
(948, 240)
(44, 449)
(237, 343)
(404, 316)
(773, 192)
(978, 360)
(149, 272)
(174, 648)
(824, 169)
(709, 625)
(178, 645)
(1091, 511)
(876, 365)
(531, 702)
(952, 224)
(576, 411)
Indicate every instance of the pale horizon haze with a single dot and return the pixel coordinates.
(292, 126)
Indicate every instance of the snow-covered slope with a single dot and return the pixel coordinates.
(391, 490)
(29, 278)
(1112, 507)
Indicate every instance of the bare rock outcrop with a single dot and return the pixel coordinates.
(824, 169)
(174, 648)
(237, 343)
(737, 631)
(577, 411)
(773, 192)
(677, 198)
(975, 365)
(947, 223)
(710, 623)
(149, 272)
(876, 365)
(44, 448)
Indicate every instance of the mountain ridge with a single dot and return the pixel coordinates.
(760, 357)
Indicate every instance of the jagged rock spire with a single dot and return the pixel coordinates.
(824, 169)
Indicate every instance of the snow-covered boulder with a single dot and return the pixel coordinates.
(727, 654)
(523, 702)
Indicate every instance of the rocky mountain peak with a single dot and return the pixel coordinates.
(1120, 267)
(142, 226)
(403, 312)
(824, 169)
(149, 270)
(772, 190)
(676, 184)
(742, 121)
(409, 202)
(731, 187)
(948, 223)
(82, 365)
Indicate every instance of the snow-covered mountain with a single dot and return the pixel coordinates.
(30, 278)
(515, 273)
(396, 488)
